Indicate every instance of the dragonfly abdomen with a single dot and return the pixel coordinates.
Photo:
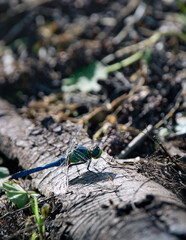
(37, 169)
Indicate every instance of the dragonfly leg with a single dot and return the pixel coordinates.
(89, 164)
(74, 164)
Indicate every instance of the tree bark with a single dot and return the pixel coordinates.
(107, 203)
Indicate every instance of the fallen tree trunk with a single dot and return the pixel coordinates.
(109, 203)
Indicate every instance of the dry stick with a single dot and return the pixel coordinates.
(172, 110)
(132, 48)
(142, 45)
(130, 21)
(136, 141)
(125, 11)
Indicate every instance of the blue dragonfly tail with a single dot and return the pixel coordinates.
(37, 169)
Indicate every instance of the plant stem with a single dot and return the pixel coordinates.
(126, 62)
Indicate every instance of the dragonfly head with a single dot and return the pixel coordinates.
(96, 152)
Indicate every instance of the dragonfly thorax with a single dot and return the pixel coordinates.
(79, 153)
(96, 152)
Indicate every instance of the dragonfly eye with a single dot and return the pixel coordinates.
(96, 152)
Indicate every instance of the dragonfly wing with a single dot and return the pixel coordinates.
(61, 187)
(73, 141)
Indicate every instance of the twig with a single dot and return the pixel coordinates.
(142, 45)
(172, 110)
(125, 11)
(130, 21)
(136, 141)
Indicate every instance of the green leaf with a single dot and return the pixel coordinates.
(4, 172)
(86, 79)
(16, 194)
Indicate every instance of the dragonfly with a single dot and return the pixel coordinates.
(78, 155)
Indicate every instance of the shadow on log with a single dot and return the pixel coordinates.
(107, 203)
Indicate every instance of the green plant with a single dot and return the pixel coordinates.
(20, 198)
(16, 194)
(40, 219)
(86, 78)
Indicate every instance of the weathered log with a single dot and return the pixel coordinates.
(108, 203)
